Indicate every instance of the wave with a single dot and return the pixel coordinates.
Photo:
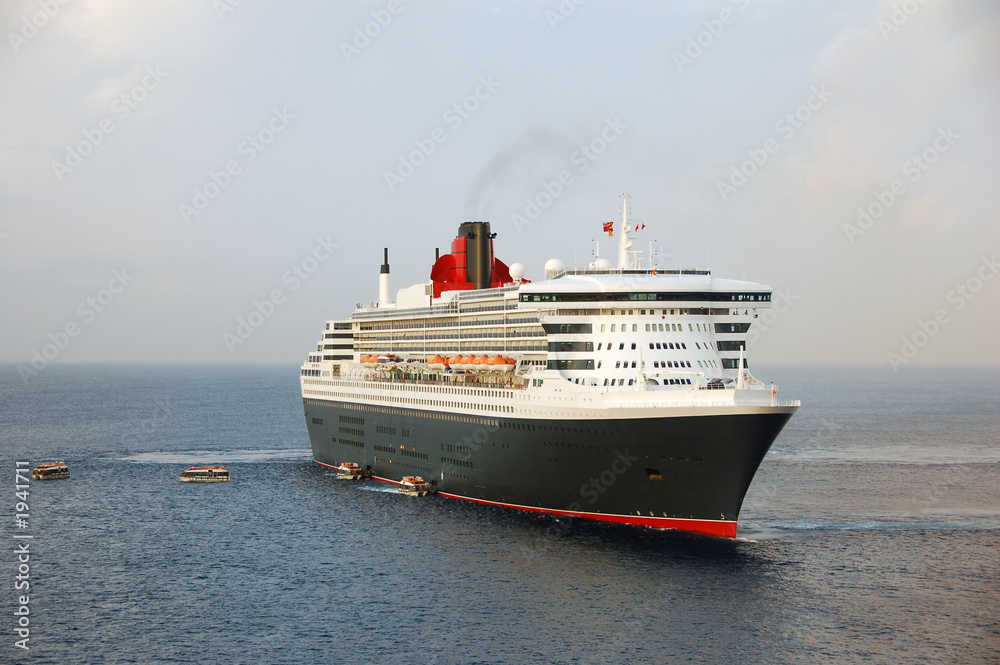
(959, 524)
(901, 454)
(377, 487)
(220, 456)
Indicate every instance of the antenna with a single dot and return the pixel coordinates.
(625, 238)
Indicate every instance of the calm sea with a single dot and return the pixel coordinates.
(871, 534)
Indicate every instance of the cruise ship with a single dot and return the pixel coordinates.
(620, 393)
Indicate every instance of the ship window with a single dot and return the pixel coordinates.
(633, 364)
(599, 362)
(635, 327)
(612, 327)
(621, 382)
(571, 364)
(658, 345)
(643, 312)
(621, 346)
(647, 325)
(630, 381)
(602, 327)
(605, 382)
(555, 347)
(567, 328)
(618, 364)
(599, 346)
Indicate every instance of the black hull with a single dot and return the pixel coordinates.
(686, 472)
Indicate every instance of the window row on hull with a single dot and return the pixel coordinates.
(675, 296)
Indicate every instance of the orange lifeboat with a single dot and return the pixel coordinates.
(480, 363)
(437, 362)
(508, 364)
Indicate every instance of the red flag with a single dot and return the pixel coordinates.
(609, 228)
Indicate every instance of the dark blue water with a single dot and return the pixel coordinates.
(871, 534)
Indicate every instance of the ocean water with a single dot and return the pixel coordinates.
(870, 534)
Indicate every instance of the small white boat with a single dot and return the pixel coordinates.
(205, 474)
(414, 486)
(352, 471)
(50, 471)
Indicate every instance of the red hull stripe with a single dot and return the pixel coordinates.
(723, 528)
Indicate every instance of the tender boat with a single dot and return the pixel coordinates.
(205, 474)
(414, 486)
(352, 471)
(50, 471)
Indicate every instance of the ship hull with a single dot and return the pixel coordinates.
(687, 472)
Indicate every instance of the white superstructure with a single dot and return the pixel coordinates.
(587, 343)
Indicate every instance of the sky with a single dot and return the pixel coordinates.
(174, 171)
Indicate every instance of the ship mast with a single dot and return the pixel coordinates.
(624, 239)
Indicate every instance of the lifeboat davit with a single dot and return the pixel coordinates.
(437, 362)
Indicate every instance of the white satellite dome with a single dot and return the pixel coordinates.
(603, 264)
(516, 272)
(554, 267)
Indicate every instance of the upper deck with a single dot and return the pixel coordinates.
(679, 333)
